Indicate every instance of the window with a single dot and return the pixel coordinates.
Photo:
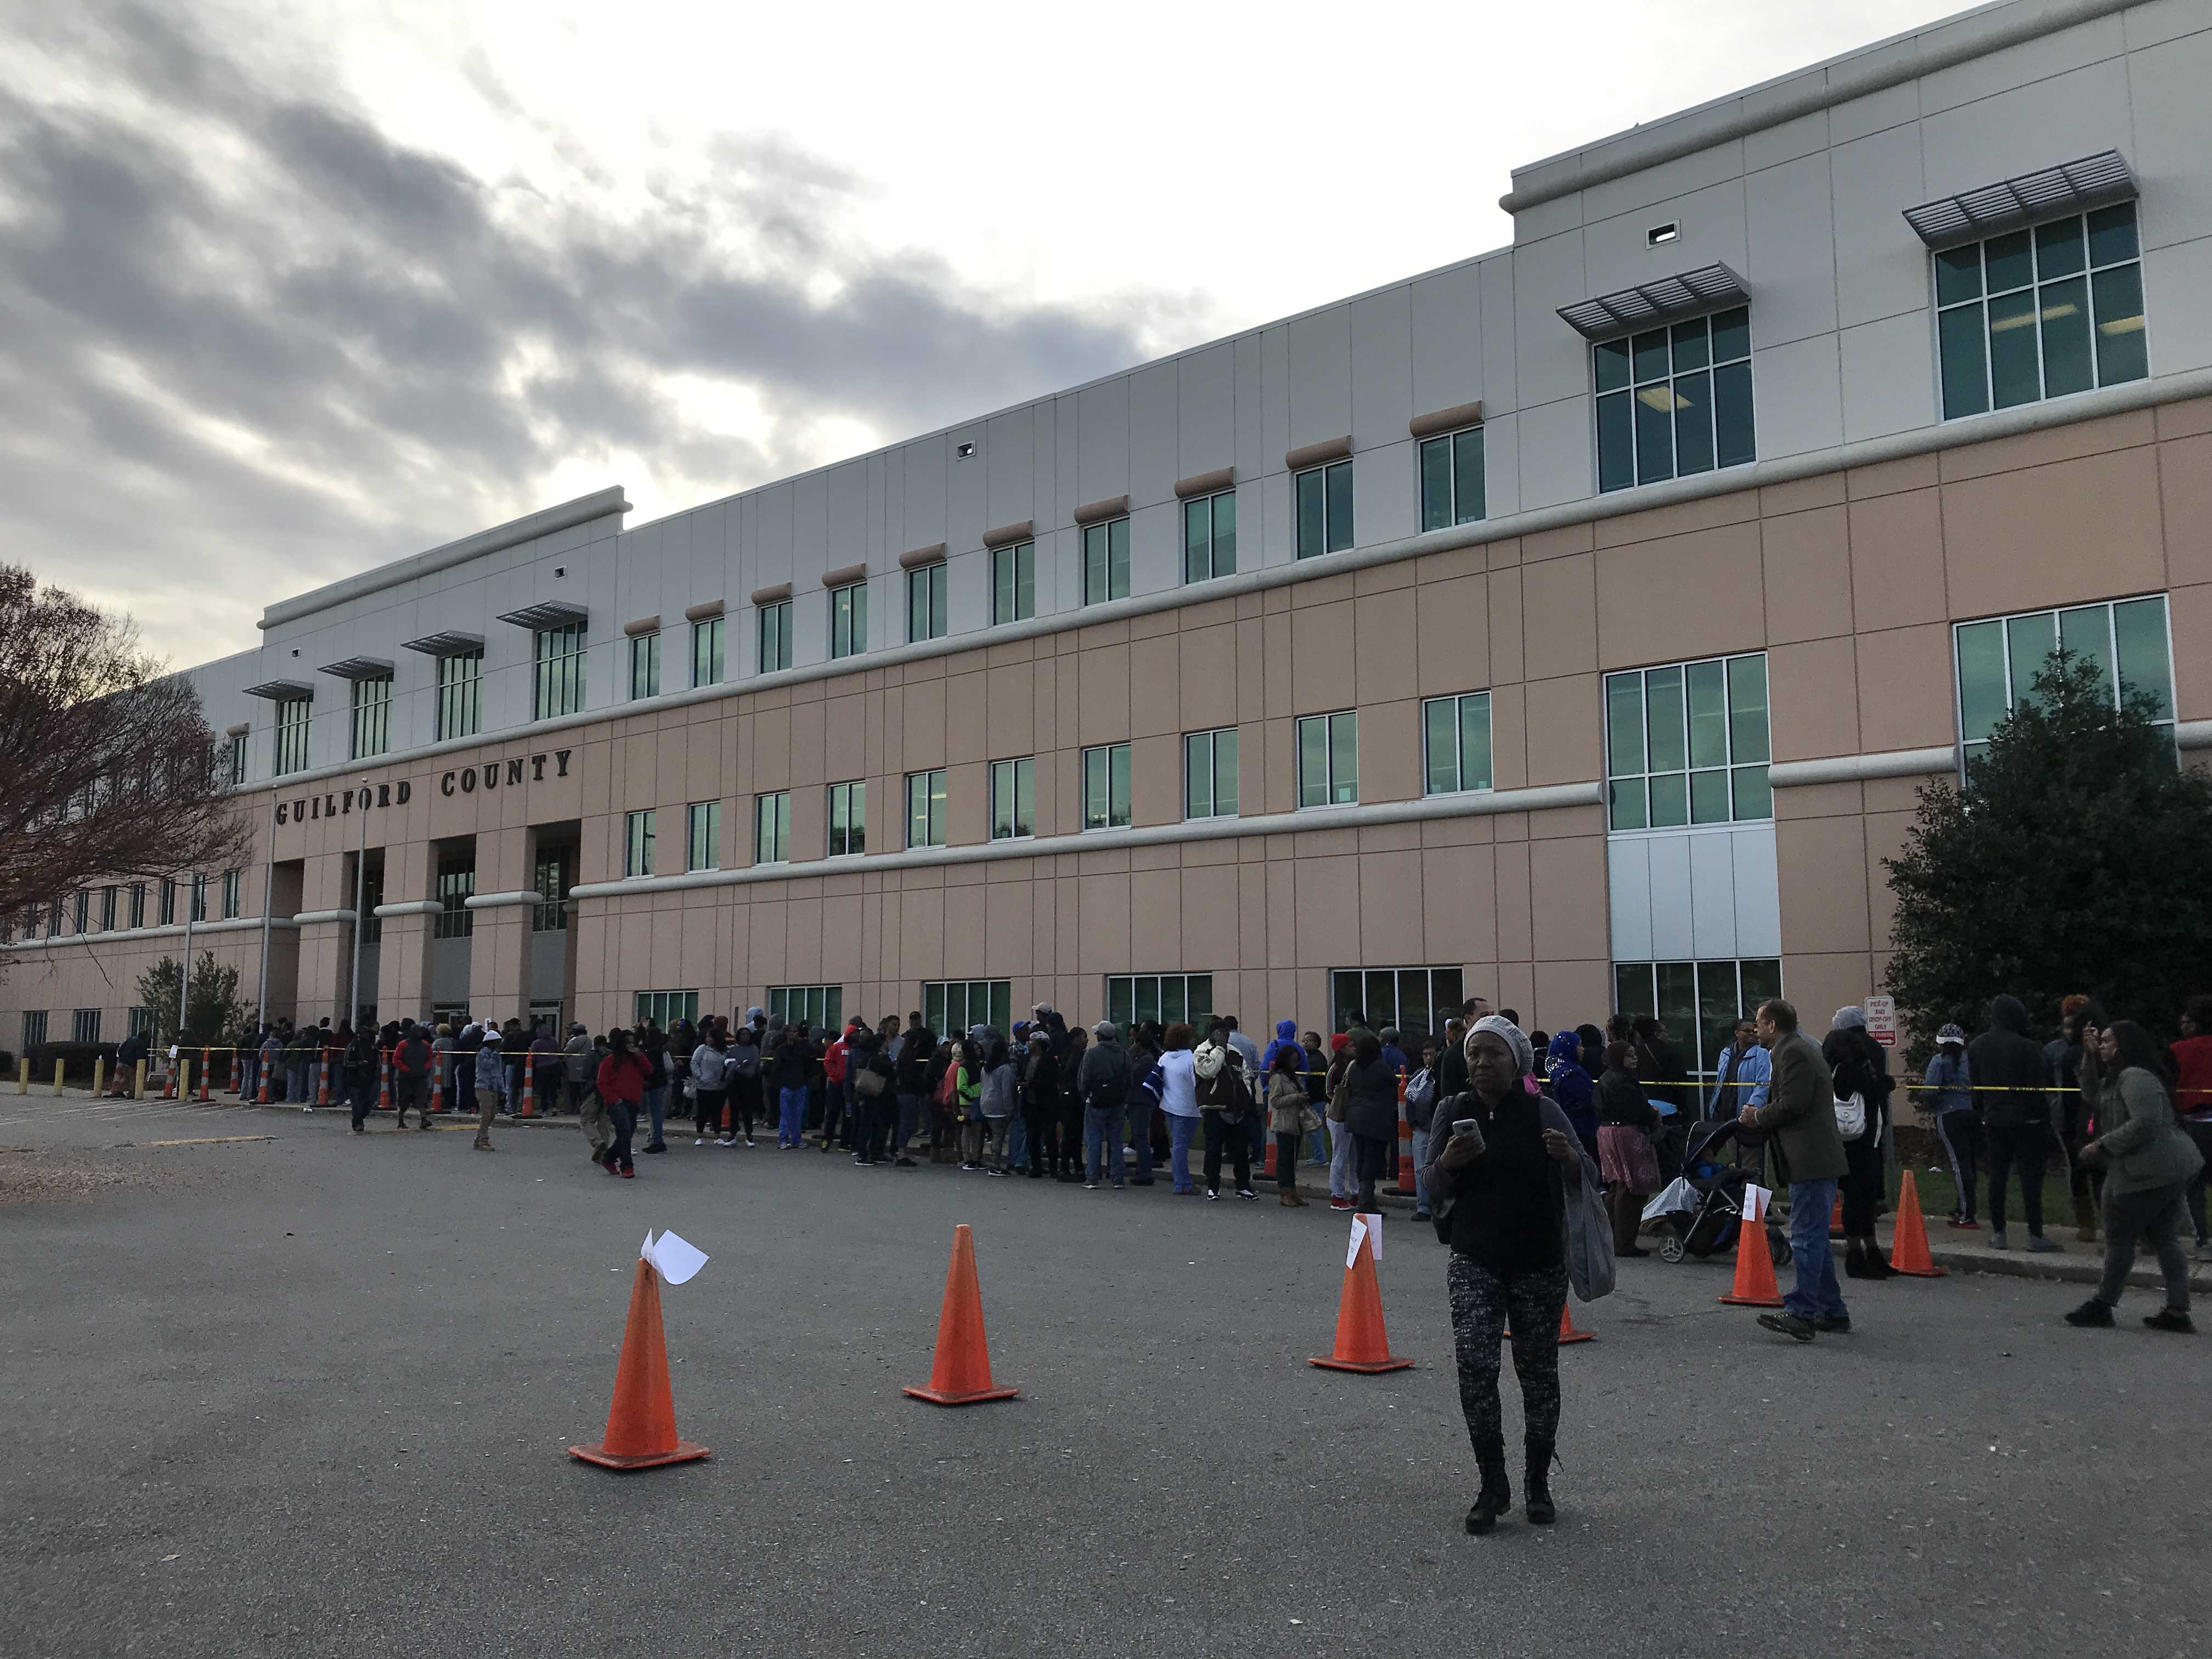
(1328, 759)
(665, 1008)
(1455, 744)
(1687, 744)
(461, 687)
(34, 1029)
(776, 637)
(1324, 510)
(107, 909)
(1013, 798)
(138, 904)
(849, 620)
(372, 895)
(1998, 659)
(1132, 998)
(233, 897)
(645, 664)
(138, 1022)
(54, 919)
(2042, 312)
(1408, 998)
(199, 897)
(1452, 487)
(951, 1006)
(706, 646)
(1106, 561)
(293, 714)
(1699, 1002)
(81, 921)
(84, 1025)
(168, 909)
(849, 819)
(551, 876)
(238, 759)
(772, 828)
(925, 809)
(559, 688)
(1209, 774)
(1209, 537)
(1106, 786)
(371, 716)
(1674, 401)
(637, 844)
(703, 836)
(1013, 583)
(821, 1006)
(924, 603)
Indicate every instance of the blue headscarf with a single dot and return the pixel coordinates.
(1286, 1036)
(1571, 1086)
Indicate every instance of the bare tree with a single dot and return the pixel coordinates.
(110, 771)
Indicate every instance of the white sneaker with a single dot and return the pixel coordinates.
(700, 1141)
(726, 1141)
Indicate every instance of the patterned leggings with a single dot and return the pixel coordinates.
(1481, 1302)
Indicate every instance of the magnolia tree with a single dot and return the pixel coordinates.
(111, 772)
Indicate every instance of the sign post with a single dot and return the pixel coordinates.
(1882, 1020)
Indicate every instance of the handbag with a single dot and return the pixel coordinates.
(1586, 1234)
(1308, 1120)
(1851, 1116)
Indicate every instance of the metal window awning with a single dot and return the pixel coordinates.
(553, 613)
(281, 691)
(2095, 181)
(446, 645)
(360, 668)
(1690, 293)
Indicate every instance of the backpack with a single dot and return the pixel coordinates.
(1110, 1088)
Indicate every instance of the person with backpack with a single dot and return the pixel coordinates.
(1102, 1084)
(873, 1077)
(1223, 1100)
(1502, 1184)
(1289, 1117)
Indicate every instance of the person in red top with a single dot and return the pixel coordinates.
(2193, 1104)
(834, 1103)
(621, 1090)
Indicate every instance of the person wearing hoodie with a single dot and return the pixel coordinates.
(2011, 1078)
(1857, 1065)
(1370, 1112)
(997, 1102)
(742, 1065)
(1179, 1100)
(491, 1087)
(1256, 1080)
(709, 1084)
(1041, 1112)
(2148, 1162)
(1103, 1078)
(1574, 1088)
(790, 1067)
(1949, 1082)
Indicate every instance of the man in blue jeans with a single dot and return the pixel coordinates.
(1799, 1122)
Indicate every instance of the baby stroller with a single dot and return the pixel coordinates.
(1698, 1210)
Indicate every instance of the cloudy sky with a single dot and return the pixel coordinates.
(290, 290)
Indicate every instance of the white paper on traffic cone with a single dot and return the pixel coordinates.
(674, 1259)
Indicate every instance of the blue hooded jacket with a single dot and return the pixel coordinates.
(1286, 1036)
(1571, 1086)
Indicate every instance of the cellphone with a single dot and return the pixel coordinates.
(1465, 1125)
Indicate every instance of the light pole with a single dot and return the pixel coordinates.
(360, 895)
(184, 979)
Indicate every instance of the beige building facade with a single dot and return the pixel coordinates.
(1442, 702)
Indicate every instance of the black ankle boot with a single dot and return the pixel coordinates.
(1540, 1511)
(1497, 1494)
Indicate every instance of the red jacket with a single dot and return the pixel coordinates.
(622, 1076)
(833, 1061)
(2192, 1093)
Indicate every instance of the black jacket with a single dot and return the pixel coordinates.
(2007, 1061)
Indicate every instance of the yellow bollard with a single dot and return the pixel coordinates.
(22, 1075)
(58, 1079)
(99, 1073)
(138, 1081)
(184, 1076)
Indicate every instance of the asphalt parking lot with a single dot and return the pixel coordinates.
(310, 1394)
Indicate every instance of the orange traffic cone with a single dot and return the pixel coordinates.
(1908, 1244)
(641, 1420)
(1567, 1331)
(1362, 1344)
(1754, 1284)
(1836, 1218)
(529, 1088)
(961, 1375)
(207, 1070)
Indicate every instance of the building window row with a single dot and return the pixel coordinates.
(952, 1007)
(371, 716)
(2126, 641)
(1688, 744)
(1675, 401)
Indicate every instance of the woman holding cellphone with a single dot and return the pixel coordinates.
(1500, 1179)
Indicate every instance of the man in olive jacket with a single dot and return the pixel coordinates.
(1799, 1122)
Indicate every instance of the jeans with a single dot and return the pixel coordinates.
(791, 1104)
(1102, 1143)
(1138, 1128)
(910, 1119)
(1962, 1138)
(2027, 1145)
(1018, 1142)
(295, 1082)
(1317, 1143)
(1180, 1130)
(1815, 1291)
(1420, 1163)
(656, 1105)
(622, 1123)
(1222, 1136)
(2128, 1215)
(1341, 1181)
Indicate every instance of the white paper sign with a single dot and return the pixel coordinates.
(1369, 1227)
(674, 1259)
(1754, 1202)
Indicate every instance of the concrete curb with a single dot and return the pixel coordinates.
(2078, 1270)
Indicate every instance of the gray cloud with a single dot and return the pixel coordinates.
(262, 345)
